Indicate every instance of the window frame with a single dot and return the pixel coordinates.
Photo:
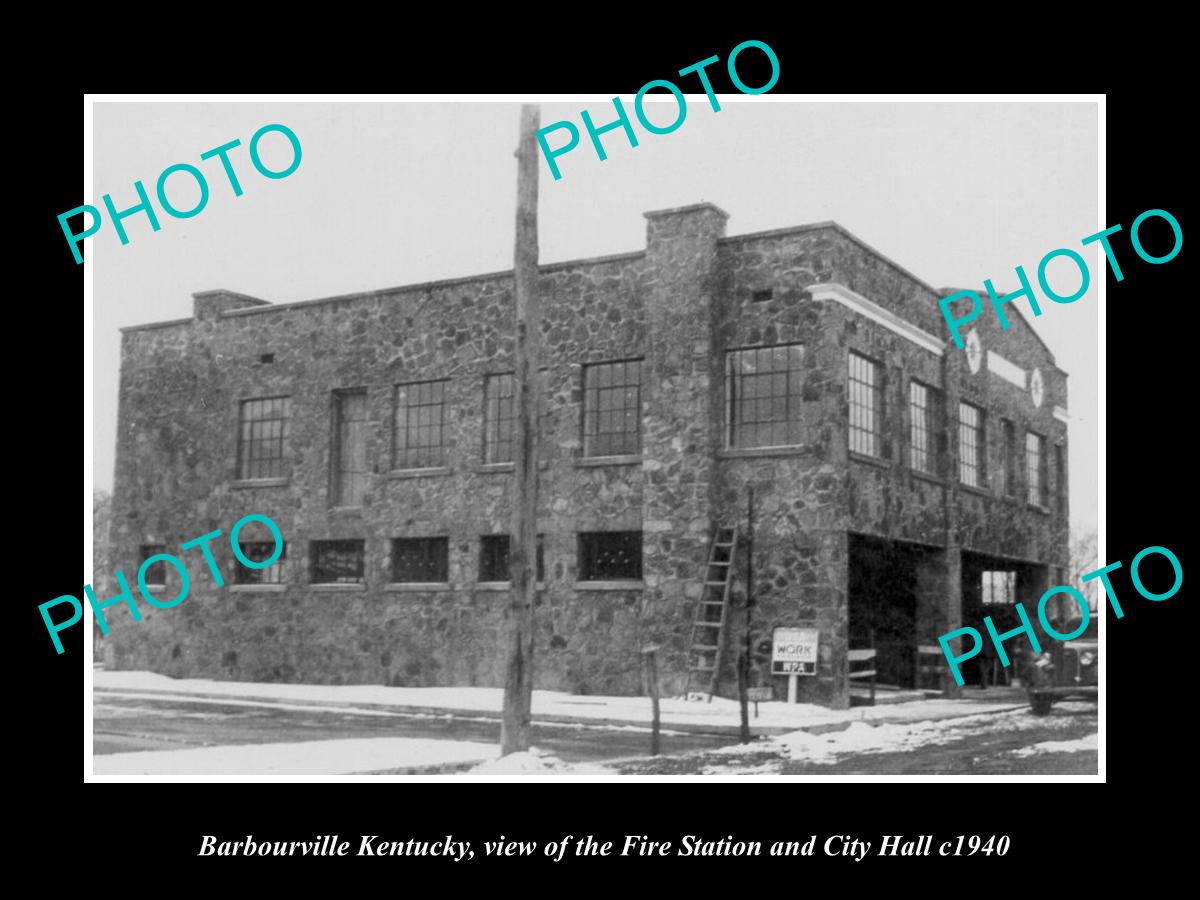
(793, 395)
(934, 410)
(1036, 494)
(876, 406)
(539, 559)
(441, 459)
(146, 551)
(980, 461)
(587, 559)
(313, 557)
(273, 574)
(591, 395)
(336, 496)
(247, 463)
(442, 564)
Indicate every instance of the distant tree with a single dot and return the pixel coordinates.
(1085, 559)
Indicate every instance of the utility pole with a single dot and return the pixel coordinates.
(522, 548)
(744, 656)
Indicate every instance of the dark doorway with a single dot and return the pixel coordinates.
(883, 606)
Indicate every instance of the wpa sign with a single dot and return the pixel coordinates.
(794, 651)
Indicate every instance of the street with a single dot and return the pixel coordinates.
(1010, 742)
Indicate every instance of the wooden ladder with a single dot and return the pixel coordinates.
(708, 626)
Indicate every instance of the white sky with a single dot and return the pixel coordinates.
(392, 194)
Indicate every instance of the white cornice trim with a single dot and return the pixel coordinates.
(1006, 369)
(876, 313)
(1061, 414)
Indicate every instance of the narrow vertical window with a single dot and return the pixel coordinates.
(499, 411)
(1035, 468)
(1008, 460)
(970, 445)
(1060, 477)
(350, 447)
(924, 404)
(864, 405)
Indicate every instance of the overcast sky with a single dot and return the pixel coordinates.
(392, 194)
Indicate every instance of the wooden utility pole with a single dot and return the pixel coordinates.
(522, 548)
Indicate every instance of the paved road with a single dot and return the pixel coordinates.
(122, 724)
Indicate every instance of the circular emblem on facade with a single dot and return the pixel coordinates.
(974, 351)
(1036, 388)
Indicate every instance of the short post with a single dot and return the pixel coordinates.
(648, 651)
(793, 688)
(743, 673)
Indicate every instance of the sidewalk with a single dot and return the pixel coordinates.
(720, 716)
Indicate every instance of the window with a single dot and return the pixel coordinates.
(156, 574)
(260, 551)
(499, 413)
(925, 427)
(1060, 479)
(350, 447)
(1008, 458)
(864, 406)
(610, 556)
(493, 558)
(337, 562)
(764, 395)
(612, 408)
(761, 296)
(999, 588)
(263, 438)
(1035, 468)
(970, 445)
(421, 560)
(420, 437)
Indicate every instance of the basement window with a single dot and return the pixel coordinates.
(610, 556)
(260, 551)
(421, 560)
(337, 562)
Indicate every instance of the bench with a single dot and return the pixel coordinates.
(930, 661)
(866, 657)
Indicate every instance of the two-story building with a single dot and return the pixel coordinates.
(903, 487)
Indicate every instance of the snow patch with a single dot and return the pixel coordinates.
(535, 762)
(1089, 742)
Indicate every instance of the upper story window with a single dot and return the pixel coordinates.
(925, 427)
(499, 411)
(1060, 477)
(263, 437)
(420, 440)
(337, 562)
(349, 460)
(763, 390)
(423, 560)
(612, 408)
(865, 406)
(493, 558)
(1035, 468)
(1008, 458)
(610, 555)
(970, 445)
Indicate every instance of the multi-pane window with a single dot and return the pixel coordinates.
(1060, 478)
(764, 395)
(350, 447)
(1008, 458)
(420, 436)
(421, 560)
(499, 412)
(999, 588)
(612, 408)
(924, 404)
(156, 573)
(263, 438)
(970, 445)
(610, 555)
(259, 552)
(337, 562)
(493, 558)
(864, 405)
(1035, 468)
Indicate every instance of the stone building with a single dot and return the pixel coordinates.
(903, 487)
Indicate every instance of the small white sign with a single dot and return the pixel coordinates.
(794, 651)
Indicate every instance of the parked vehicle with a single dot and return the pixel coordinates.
(1065, 669)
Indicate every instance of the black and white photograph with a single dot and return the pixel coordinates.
(507, 439)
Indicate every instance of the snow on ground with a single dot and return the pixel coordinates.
(1089, 742)
(635, 710)
(536, 762)
(344, 757)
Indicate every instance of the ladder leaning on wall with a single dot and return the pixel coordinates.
(712, 609)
